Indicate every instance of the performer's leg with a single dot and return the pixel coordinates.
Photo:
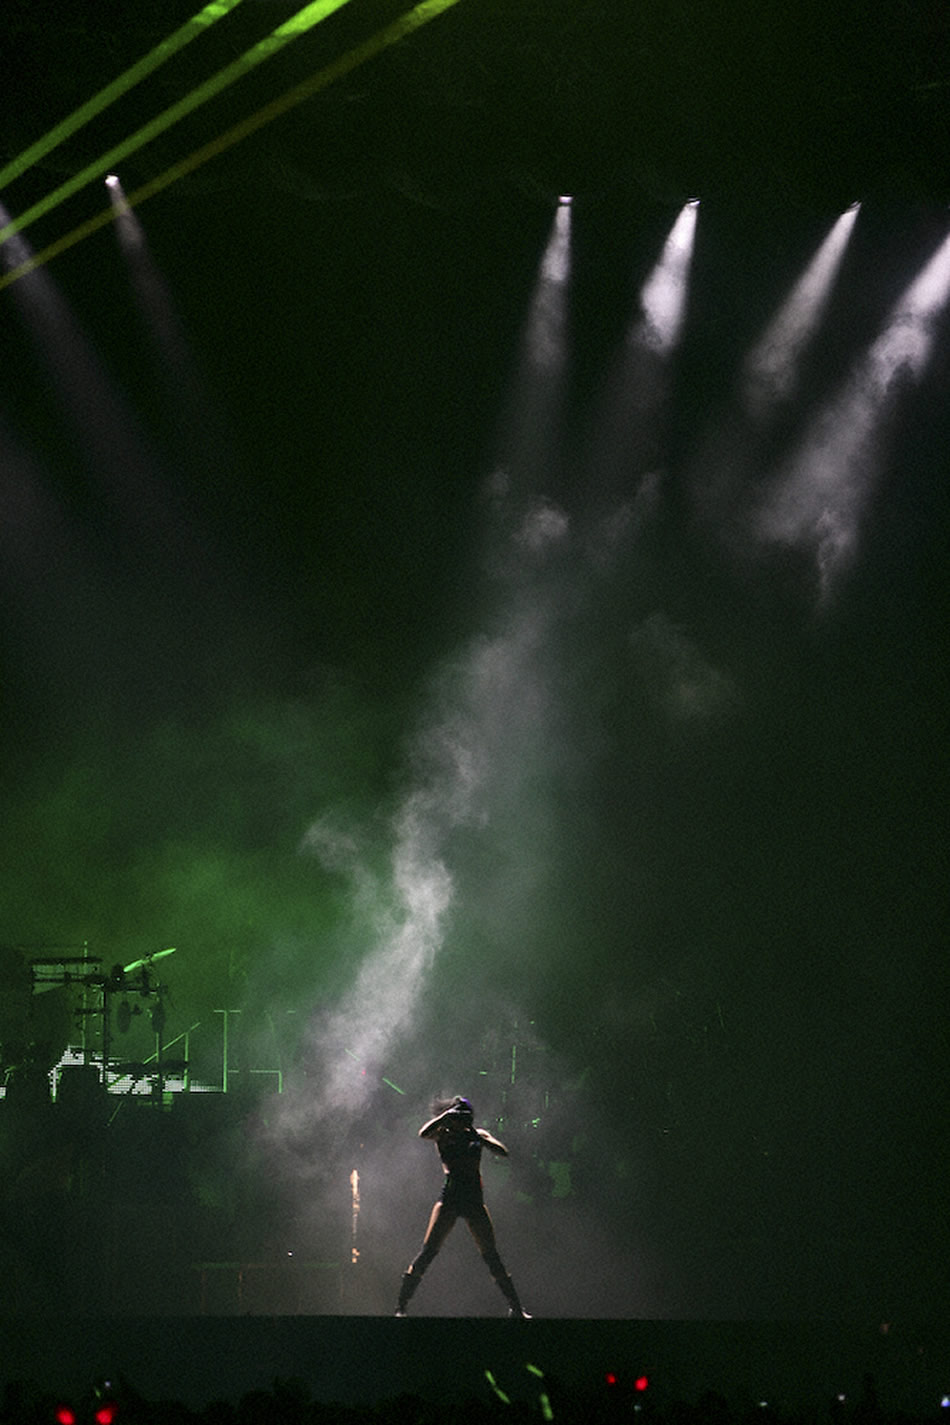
(441, 1222)
(480, 1225)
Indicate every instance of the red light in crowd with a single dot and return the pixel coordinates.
(65, 1416)
(105, 1414)
(641, 1383)
(610, 1378)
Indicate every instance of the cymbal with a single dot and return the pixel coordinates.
(148, 959)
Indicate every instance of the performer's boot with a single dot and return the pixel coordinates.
(507, 1288)
(407, 1286)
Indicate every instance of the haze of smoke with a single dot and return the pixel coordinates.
(475, 843)
(542, 526)
(187, 838)
(680, 680)
(378, 1009)
(459, 761)
(821, 495)
(491, 712)
(335, 849)
(611, 533)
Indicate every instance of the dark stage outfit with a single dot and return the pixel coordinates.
(460, 1147)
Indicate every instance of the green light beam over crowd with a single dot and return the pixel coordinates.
(290, 30)
(197, 25)
(420, 15)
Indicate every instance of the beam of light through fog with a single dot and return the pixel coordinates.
(819, 498)
(154, 301)
(80, 379)
(730, 453)
(546, 322)
(628, 429)
(529, 424)
(127, 226)
(106, 430)
(663, 297)
(769, 372)
(42, 308)
(16, 251)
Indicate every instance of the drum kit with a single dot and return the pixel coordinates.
(109, 1000)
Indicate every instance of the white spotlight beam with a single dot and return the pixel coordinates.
(150, 291)
(527, 434)
(820, 500)
(663, 297)
(770, 371)
(632, 411)
(908, 339)
(547, 319)
(105, 427)
(127, 224)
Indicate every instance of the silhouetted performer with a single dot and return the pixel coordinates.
(460, 1147)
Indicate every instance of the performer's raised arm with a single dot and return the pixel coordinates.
(451, 1118)
(492, 1143)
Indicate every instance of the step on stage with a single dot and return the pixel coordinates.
(365, 1360)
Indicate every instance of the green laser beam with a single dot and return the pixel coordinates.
(412, 20)
(505, 1399)
(147, 65)
(284, 34)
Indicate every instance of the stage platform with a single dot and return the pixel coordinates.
(794, 1367)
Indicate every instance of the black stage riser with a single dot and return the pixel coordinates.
(364, 1360)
